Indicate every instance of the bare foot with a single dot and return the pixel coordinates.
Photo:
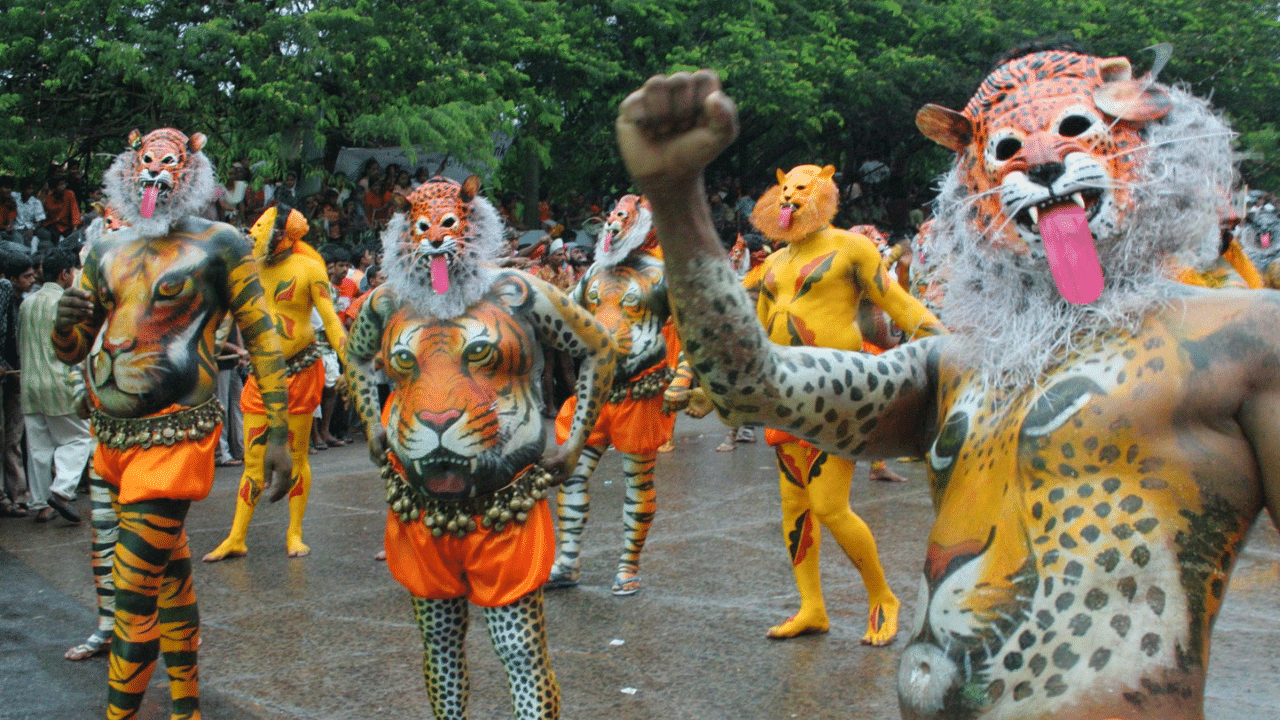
(882, 473)
(882, 625)
(798, 625)
(226, 550)
(380, 556)
(728, 445)
(666, 447)
(298, 549)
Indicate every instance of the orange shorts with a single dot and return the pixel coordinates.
(636, 427)
(304, 391)
(491, 569)
(777, 437)
(182, 471)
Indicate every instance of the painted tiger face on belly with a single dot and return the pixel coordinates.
(159, 310)
(464, 417)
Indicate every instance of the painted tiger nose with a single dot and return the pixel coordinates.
(439, 419)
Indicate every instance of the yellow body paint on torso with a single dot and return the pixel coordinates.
(293, 286)
(810, 291)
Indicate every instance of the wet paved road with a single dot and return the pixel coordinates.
(332, 636)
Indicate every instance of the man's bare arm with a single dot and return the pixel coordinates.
(668, 131)
(361, 349)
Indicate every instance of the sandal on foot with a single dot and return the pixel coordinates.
(562, 579)
(626, 583)
(98, 643)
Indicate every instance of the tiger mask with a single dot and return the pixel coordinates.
(439, 253)
(161, 178)
(1074, 187)
(803, 202)
(629, 227)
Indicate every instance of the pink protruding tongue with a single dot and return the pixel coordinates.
(1266, 240)
(784, 217)
(439, 275)
(149, 195)
(608, 240)
(1073, 259)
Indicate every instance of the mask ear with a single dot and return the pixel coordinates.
(470, 188)
(948, 128)
(1121, 96)
(135, 139)
(782, 177)
(196, 141)
(827, 171)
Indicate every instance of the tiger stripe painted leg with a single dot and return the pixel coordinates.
(179, 618)
(443, 624)
(151, 538)
(520, 641)
(573, 508)
(639, 506)
(104, 529)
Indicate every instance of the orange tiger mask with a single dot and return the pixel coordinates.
(162, 177)
(438, 253)
(629, 227)
(1047, 147)
(804, 201)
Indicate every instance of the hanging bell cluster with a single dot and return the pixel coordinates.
(495, 510)
(642, 388)
(191, 424)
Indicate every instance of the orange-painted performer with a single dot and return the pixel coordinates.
(295, 281)
(1098, 452)
(461, 441)
(811, 291)
(625, 290)
(150, 300)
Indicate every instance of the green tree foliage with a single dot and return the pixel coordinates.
(287, 84)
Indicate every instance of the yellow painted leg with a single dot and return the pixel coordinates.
(299, 437)
(255, 447)
(829, 481)
(801, 534)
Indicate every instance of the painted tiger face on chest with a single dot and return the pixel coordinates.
(1047, 148)
(464, 417)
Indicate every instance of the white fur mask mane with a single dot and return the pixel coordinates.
(191, 194)
(1009, 320)
(471, 270)
(624, 244)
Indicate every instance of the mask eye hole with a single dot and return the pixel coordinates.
(448, 221)
(423, 225)
(1007, 148)
(1074, 125)
(169, 160)
(148, 158)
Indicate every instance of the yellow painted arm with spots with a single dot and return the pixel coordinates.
(565, 325)
(882, 289)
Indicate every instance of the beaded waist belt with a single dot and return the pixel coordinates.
(190, 424)
(301, 360)
(457, 517)
(650, 384)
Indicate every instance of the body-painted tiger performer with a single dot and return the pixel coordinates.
(811, 291)
(151, 297)
(625, 290)
(461, 438)
(295, 281)
(1098, 437)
